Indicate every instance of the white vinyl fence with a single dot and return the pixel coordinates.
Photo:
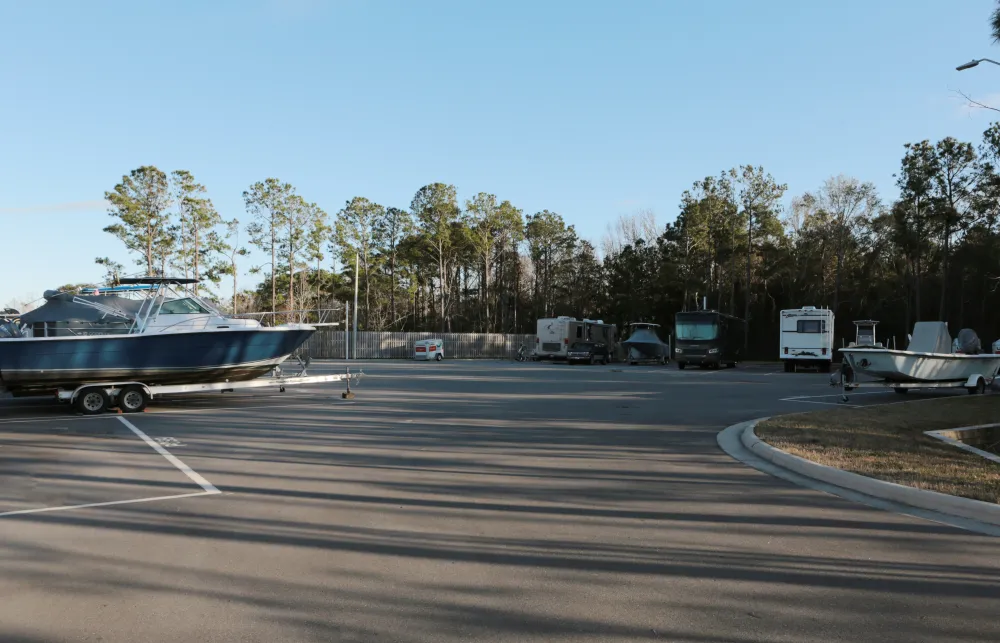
(328, 343)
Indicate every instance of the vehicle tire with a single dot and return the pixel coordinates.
(593, 360)
(901, 391)
(979, 388)
(92, 401)
(731, 365)
(824, 367)
(681, 365)
(789, 366)
(438, 357)
(132, 399)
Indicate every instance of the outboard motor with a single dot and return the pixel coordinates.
(968, 342)
(10, 330)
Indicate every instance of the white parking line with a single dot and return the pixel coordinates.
(107, 504)
(171, 458)
(208, 489)
(792, 399)
(811, 399)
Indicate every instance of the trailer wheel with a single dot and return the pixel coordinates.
(979, 388)
(901, 391)
(92, 401)
(438, 357)
(132, 399)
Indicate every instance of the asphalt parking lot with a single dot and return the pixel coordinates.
(461, 501)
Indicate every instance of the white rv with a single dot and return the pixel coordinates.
(556, 335)
(806, 338)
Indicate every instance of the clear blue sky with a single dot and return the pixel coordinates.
(590, 109)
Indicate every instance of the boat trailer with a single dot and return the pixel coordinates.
(133, 397)
(976, 384)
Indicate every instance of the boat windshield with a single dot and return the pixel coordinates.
(696, 330)
(186, 306)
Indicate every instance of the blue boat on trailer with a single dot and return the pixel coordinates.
(167, 337)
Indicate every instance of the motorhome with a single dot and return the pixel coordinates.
(806, 338)
(556, 335)
(708, 338)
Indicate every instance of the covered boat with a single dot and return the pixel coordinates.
(645, 344)
(165, 337)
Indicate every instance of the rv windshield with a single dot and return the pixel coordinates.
(696, 330)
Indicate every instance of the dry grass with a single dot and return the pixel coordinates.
(888, 443)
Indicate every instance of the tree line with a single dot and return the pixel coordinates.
(482, 265)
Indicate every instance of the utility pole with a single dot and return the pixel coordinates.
(746, 306)
(354, 347)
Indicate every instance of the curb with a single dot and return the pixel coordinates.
(965, 508)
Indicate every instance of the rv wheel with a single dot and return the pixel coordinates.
(681, 365)
(439, 357)
(92, 401)
(132, 399)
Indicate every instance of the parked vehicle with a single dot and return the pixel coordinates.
(806, 338)
(927, 362)
(588, 353)
(645, 345)
(708, 338)
(557, 334)
(167, 336)
(428, 349)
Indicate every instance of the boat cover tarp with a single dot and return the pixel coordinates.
(930, 337)
(62, 308)
(645, 340)
(968, 342)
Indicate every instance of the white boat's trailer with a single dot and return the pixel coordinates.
(976, 384)
(133, 397)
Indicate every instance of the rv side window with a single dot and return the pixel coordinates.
(579, 332)
(810, 326)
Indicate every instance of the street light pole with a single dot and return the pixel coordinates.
(974, 63)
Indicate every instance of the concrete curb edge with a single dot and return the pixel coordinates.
(964, 508)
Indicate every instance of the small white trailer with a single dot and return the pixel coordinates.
(428, 349)
(133, 397)
(806, 338)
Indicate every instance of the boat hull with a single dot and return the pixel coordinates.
(41, 364)
(908, 366)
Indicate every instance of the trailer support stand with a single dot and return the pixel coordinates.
(348, 395)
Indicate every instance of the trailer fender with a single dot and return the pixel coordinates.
(973, 381)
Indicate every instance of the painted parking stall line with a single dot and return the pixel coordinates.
(207, 488)
(171, 458)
